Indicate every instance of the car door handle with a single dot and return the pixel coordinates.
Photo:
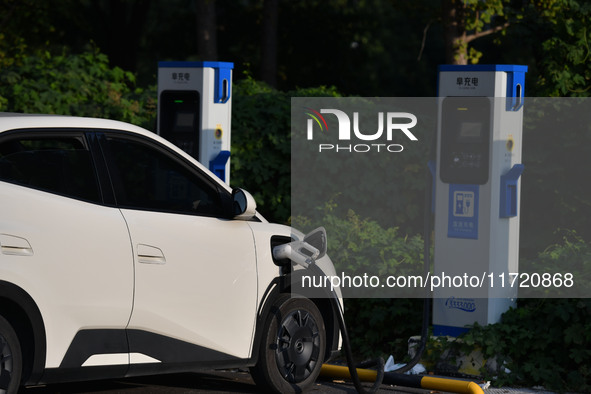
(147, 254)
(15, 246)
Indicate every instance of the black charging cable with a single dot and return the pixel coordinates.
(378, 363)
(427, 226)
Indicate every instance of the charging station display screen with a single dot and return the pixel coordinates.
(465, 140)
(470, 130)
(179, 119)
(184, 119)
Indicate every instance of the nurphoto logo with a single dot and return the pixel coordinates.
(394, 125)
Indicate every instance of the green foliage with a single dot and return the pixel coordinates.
(12, 50)
(260, 146)
(572, 255)
(75, 84)
(24, 27)
(479, 19)
(356, 245)
(384, 186)
(554, 192)
(361, 245)
(261, 150)
(480, 13)
(382, 326)
(543, 341)
(565, 66)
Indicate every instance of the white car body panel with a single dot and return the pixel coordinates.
(262, 232)
(201, 272)
(77, 281)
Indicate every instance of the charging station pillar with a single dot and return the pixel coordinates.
(477, 184)
(195, 110)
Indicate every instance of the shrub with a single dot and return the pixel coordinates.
(75, 84)
(356, 245)
(544, 341)
(261, 149)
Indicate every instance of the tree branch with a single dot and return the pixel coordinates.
(483, 33)
(424, 39)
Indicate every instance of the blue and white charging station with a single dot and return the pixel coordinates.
(195, 110)
(477, 183)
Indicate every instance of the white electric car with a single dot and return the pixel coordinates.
(120, 255)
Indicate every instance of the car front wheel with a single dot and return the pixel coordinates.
(10, 359)
(293, 346)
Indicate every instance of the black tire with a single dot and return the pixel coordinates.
(292, 347)
(11, 359)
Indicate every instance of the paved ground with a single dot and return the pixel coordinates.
(189, 383)
(219, 382)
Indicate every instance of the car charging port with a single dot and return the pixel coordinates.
(278, 240)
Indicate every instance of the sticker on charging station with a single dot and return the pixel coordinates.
(463, 211)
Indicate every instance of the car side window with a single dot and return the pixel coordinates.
(150, 179)
(56, 164)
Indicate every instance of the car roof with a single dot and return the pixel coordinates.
(12, 121)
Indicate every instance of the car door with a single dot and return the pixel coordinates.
(65, 247)
(195, 271)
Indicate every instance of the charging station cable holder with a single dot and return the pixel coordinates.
(508, 198)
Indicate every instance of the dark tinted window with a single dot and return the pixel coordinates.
(147, 178)
(61, 165)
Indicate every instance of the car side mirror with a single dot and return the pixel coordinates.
(243, 205)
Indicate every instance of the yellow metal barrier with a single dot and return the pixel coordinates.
(425, 382)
